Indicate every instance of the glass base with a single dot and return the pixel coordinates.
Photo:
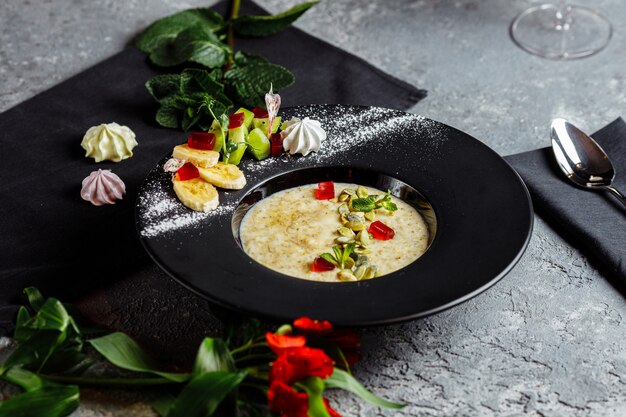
(561, 32)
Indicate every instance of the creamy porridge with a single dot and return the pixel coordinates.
(289, 229)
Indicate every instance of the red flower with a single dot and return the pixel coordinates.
(295, 364)
(278, 343)
(288, 402)
(330, 410)
(345, 339)
(312, 327)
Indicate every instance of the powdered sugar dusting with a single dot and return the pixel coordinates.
(349, 129)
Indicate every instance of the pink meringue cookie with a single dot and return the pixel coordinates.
(102, 187)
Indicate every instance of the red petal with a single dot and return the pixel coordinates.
(312, 327)
(283, 399)
(330, 410)
(278, 343)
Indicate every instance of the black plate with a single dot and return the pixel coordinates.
(476, 204)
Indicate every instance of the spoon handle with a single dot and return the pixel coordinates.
(617, 194)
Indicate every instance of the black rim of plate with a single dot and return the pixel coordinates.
(483, 211)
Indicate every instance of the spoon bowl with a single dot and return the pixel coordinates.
(581, 159)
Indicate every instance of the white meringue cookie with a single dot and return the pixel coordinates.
(102, 187)
(109, 141)
(302, 136)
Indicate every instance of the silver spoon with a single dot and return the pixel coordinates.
(581, 159)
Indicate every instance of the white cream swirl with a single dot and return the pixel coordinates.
(102, 187)
(109, 141)
(303, 136)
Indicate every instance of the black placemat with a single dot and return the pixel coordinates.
(53, 240)
(592, 220)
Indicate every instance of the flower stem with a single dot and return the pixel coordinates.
(248, 346)
(118, 382)
(255, 357)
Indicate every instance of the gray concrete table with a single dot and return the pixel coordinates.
(549, 339)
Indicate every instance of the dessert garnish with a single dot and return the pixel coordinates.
(187, 172)
(325, 190)
(380, 230)
(109, 141)
(173, 165)
(302, 135)
(201, 140)
(277, 144)
(272, 102)
(356, 208)
(102, 187)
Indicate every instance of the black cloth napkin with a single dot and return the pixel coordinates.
(593, 221)
(52, 239)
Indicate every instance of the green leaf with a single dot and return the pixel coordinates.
(35, 298)
(21, 332)
(364, 204)
(27, 380)
(389, 205)
(203, 394)
(41, 399)
(124, 352)
(330, 258)
(167, 29)
(314, 387)
(167, 116)
(248, 82)
(48, 401)
(196, 44)
(348, 249)
(259, 26)
(213, 355)
(163, 86)
(343, 380)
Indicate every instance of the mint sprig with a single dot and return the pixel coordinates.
(203, 37)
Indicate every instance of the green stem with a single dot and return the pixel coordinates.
(254, 357)
(92, 381)
(234, 13)
(248, 346)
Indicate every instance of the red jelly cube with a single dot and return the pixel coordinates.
(381, 231)
(276, 142)
(260, 112)
(187, 172)
(235, 120)
(325, 190)
(201, 140)
(321, 265)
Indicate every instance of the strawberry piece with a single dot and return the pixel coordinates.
(260, 112)
(325, 190)
(381, 231)
(201, 140)
(276, 142)
(235, 120)
(321, 265)
(187, 172)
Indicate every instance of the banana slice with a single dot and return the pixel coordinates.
(224, 176)
(198, 157)
(196, 194)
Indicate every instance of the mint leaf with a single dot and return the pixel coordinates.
(259, 26)
(251, 77)
(167, 116)
(364, 204)
(167, 29)
(196, 44)
(163, 86)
